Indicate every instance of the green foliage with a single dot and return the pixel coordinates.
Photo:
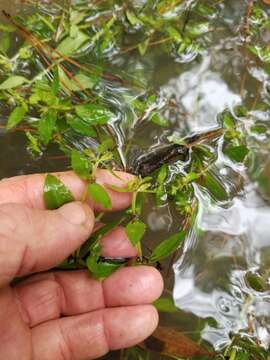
(15, 117)
(93, 114)
(13, 82)
(167, 246)
(99, 195)
(46, 126)
(80, 164)
(98, 268)
(56, 193)
(236, 153)
(135, 230)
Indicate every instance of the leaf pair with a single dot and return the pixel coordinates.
(57, 194)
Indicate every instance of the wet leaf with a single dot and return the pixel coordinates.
(81, 127)
(99, 195)
(56, 81)
(72, 43)
(94, 114)
(135, 230)
(56, 193)
(101, 270)
(228, 121)
(236, 153)
(33, 145)
(156, 118)
(46, 126)
(105, 146)
(13, 82)
(132, 18)
(256, 281)
(80, 164)
(174, 34)
(167, 247)
(98, 268)
(162, 174)
(15, 117)
(215, 187)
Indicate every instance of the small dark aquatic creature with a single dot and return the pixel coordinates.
(152, 160)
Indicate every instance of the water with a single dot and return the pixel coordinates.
(229, 241)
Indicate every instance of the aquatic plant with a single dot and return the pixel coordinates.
(61, 83)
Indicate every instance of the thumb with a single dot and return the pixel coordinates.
(34, 240)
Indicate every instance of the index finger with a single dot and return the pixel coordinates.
(28, 189)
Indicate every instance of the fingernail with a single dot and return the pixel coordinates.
(74, 213)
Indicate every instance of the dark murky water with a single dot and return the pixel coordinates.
(210, 284)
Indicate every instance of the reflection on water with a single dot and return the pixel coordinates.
(203, 94)
(210, 275)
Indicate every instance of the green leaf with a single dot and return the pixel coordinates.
(139, 203)
(33, 144)
(46, 126)
(94, 114)
(15, 117)
(4, 43)
(56, 193)
(101, 270)
(99, 195)
(81, 127)
(135, 231)
(7, 27)
(215, 187)
(105, 146)
(256, 281)
(132, 18)
(162, 174)
(167, 246)
(72, 43)
(174, 34)
(228, 121)
(56, 81)
(258, 129)
(165, 305)
(80, 164)
(13, 82)
(157, 119)
(236, 153)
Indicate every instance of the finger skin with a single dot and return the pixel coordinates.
(117, 244)
(35, 240)
(92, 335)
(28, 189)
(50, 295)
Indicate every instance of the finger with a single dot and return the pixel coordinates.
(92, 335)
(35, 240)
(28, 189)
(117, 244)
(50, 295)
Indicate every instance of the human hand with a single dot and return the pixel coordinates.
(66, 315)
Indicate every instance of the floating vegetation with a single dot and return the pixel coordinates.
(67, 80)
